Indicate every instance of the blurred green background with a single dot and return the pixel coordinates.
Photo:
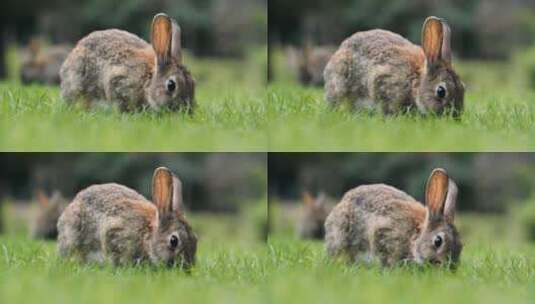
(217, 187)
(488, 182)
(491, 185)
(220, 182)
(209, 27)
(488, 29)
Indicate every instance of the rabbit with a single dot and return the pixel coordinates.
(379, 223)
(119, 67)
(313, 213)
(381, 70)
(45, 223)
(42, 65)
(111, 223)
(309, 63)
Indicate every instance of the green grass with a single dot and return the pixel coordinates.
(236, 112)
(231, 266)
(230, 116)
(487, 275)
(283, 271)
(497, 266)
(499, 116)
(235, 266)
(31, 272)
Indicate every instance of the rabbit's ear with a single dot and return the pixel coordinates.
(162, 189)
(177, 204)
(446, 42)
(34, 46)
(308, 200)
(41, 197)
(161, 38)
(436, 192)
(436, 37)
(451, 201)
(176, 43)
(167, 191)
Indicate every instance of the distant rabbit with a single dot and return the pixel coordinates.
(45, 224)
(312, 63)
(113, 223)
(313, 213)
(42, 65)
(381, 223)
(378, 69)
(120, 67)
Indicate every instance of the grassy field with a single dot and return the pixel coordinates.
(231, 266)
(499, 116)
(235, 266)
(285, 271)
(497, 266)
(236, 112)
(487, 275)
(230, 116)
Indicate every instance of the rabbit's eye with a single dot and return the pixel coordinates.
(171, 85)
(173, 242)
(437, 242)
(441, 91)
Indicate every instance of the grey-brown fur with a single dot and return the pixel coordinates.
(46, 220)
(312, 62)
(378, 69)
(113, 223)
(379, 223)
(119, 67)
(42, 65)
(312, 215)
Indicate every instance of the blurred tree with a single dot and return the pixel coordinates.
(487, 182)
(210, 27)
(481, 28)
(212, 181)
